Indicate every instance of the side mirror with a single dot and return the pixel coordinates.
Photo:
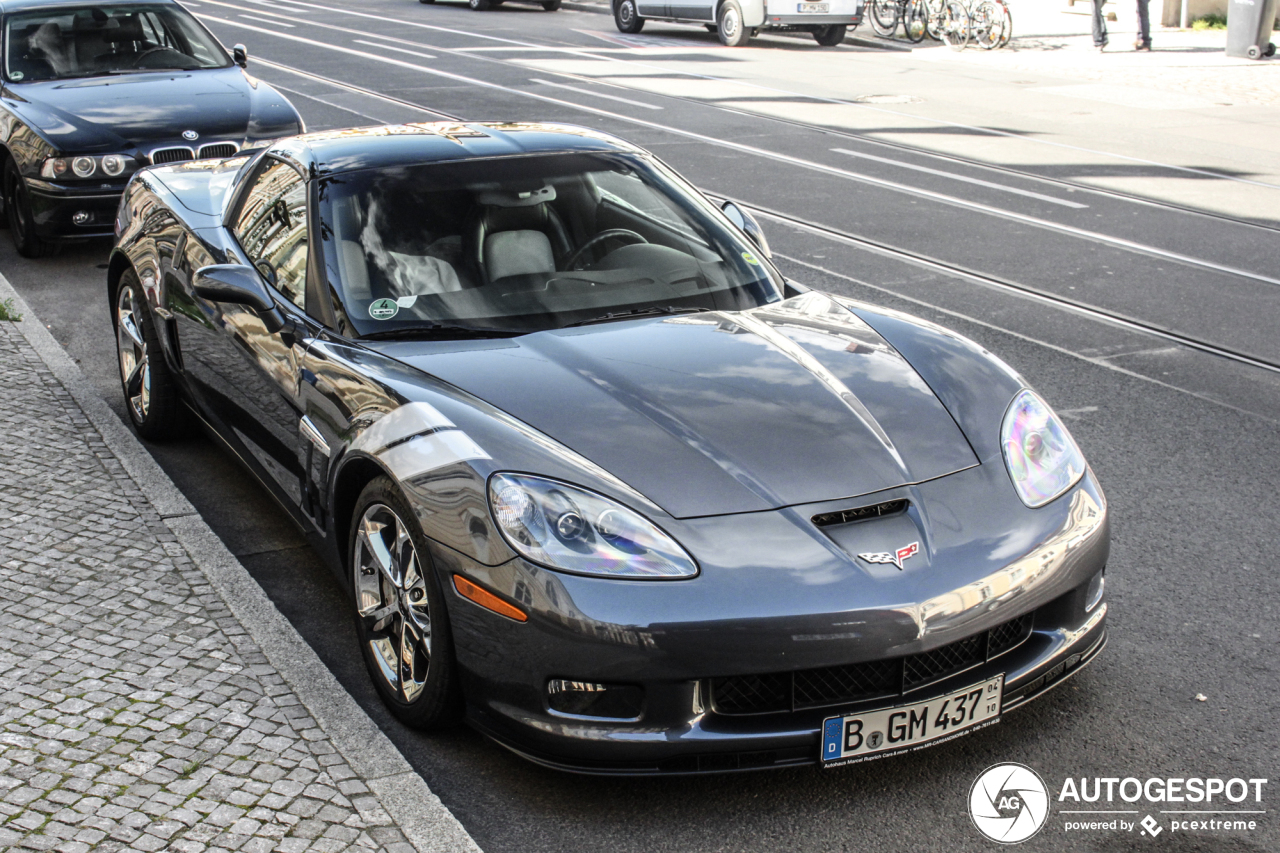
(748, 225)
(233, 284)
(240, 56)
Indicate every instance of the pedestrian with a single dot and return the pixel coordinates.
(1099, 25)
(1144, 27)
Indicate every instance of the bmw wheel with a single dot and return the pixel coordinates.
(150, 394)
(401, 621)
(626, 17)
(22, 223)
(733, 33)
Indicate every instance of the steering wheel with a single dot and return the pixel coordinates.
(137, 62)
(621, 233)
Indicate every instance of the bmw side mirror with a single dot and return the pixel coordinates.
(234, 284)
(240, 56)
(748, 225)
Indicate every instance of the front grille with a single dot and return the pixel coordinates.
(172, 155)
(218, 149)
(845, 516)
(859, 682)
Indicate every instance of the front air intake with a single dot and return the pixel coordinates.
(862, 513)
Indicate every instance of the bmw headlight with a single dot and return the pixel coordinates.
(567, 528)
(111, 165)
(1042, 458)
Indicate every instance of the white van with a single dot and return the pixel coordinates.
(736, 21)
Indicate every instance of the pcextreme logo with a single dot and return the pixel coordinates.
(1009, 803)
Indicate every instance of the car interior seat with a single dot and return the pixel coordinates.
(515, 232)
(26, 61)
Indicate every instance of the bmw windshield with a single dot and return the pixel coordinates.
(522, 244)
(84, 41)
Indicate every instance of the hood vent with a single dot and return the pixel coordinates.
(862, 513)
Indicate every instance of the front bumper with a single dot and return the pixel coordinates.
(54, 209)
(743, 617)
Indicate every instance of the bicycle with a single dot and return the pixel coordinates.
(887, 14)
(947, 21)
(991, 23)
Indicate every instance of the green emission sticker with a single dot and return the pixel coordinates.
(750, 258)
(384, 309)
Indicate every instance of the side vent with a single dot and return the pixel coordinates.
(862, 513)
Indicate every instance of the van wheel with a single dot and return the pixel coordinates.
(626, 17)
(551, 5)
(478, 5)
(830, 36)
(732, 31)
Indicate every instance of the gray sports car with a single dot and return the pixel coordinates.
(599, 478)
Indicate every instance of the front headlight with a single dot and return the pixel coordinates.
(111, 165)
(567, 528)
(1042, 458)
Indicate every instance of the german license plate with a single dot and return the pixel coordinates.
(813, 8)
(877, 734)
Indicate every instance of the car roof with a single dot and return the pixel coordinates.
(332, 151)
(7, 6)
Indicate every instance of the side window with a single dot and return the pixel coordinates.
(272, 230)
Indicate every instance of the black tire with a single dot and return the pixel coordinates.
(884, 17)
(729, 25)
(478, 5)
(551, 5)
(150, 391)
(956, 27)
(915, 21)
(1270, 51)
(830, 36)
(419, 614)
(626, 17)
(17, 210)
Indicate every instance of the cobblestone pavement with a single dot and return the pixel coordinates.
(135, 711)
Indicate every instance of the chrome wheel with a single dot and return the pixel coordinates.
(391, 599)
(135, 367)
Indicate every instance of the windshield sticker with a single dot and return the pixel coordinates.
(15, 76)
(384, 309)
(406, 301)
(750, 258)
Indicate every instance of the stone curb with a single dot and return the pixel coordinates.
(425, 821)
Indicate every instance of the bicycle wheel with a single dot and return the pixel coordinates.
(955, 25)
(985, 24)
(884, 17)
(915, 20)
(1007, 32)
(933, 19)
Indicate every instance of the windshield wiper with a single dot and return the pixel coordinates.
(651, 311)
(440, 330)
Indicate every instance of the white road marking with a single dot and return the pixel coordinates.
(595, 54)
(268, 21)
(955, 177)
(595, 94)
(396, 49)
(337, 84)
(1107, 239)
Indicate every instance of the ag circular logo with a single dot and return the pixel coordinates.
(190, 135)
(1009, 803)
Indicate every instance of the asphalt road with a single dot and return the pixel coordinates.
(1176, 407)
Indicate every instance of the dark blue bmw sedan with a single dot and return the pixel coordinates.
(91, 92)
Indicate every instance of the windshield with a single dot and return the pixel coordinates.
(82, 41)
(529, 243)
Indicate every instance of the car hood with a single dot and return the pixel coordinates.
(140, 110)
(721, 412)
